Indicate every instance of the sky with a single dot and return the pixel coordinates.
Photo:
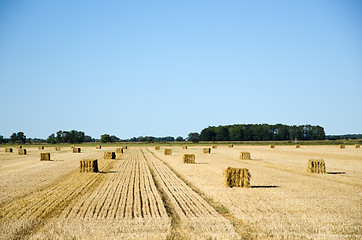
(168, 68)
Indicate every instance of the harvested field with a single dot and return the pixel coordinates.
(284, 201)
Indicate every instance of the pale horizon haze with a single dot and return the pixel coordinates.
(168, 68)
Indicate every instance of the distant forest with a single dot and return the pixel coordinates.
(262, 132)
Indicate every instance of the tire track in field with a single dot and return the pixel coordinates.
(200, 219)
(21, 217)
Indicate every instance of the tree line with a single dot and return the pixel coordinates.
(262, 132)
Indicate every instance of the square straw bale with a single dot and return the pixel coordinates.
(19, 147)
(119, 150)
(230, 146)
(341, 146)
(245, 156)
(297, 146)
(157, 147)
(109, 155)
(272, 146)
(88, 165)
(168, 151)
(184, 147)
(316, 166)
(44, 156)
(57, 148)
(41, 147)
(125, 147)
(357, 146)
(237, 177)
(188, 158)
(98, 147)
(214, 146)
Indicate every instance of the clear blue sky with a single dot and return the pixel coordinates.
(161, 68)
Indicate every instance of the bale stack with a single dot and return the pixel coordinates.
(76, 150)
(19, 147)
(8, 150)
(237, 177)
(297, 146)
(316, 166)
(184, 147)
(357, 146)
(41, 147)
(214, 146)
(157, 147)
(119, 150)
(98, 147)
(245, 156)
(44, 156)
(230, 146)
(189, 158)
(272, 146)
(341, 146)
(57, 148)
(21, 151)
(89, 165)
(207, 150)
(109, 155)
(168, 151)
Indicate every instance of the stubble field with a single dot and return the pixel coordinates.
(148, 195)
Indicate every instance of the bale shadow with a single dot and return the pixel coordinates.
(202, 163)
(256, 159)
(109, 172)
(270, 186)
(57, 160)
(336, 172)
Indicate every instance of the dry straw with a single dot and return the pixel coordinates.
(207, 150)
(76, 150)
(98, 147)
(214, 146)
(245, 156)
(118, 155)
(157, 147)
(230, 146)
(357, 146)
(316, 166)
(57, 148)
(44, 156)
(297, 146)
(8, 150)
(119, 150)
(184, 147)
(237, 177)
(22, 151)
(88, 165)
(109, 155)
(41, 147)
(341, 146)
(189, 158)
(272, 146)
(168, 151)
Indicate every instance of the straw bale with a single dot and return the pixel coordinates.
(76, 150)
(272, 146)
(88, 165)
(184, 147)
(8, 150)
(41, 147)
(245, 156)
(57, 148)
(125, 147)
(341, 146)
(109, 155)
(44, 156)
(72, 146)
(119, 150)
(207, 150)
(22, 151)
(98, 147)
(237, 177)
(19, 147)
(297, 146)
(357, 146)
(230, 146)
(214, 146)
(189, 158)
(168, 151)
(316, 166)
(157, 147)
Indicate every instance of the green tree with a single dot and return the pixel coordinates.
(51, 139)
(21, 137)
(2, 140)
(13, 138)
(105, 138)
(179, 139)
(194, 137)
